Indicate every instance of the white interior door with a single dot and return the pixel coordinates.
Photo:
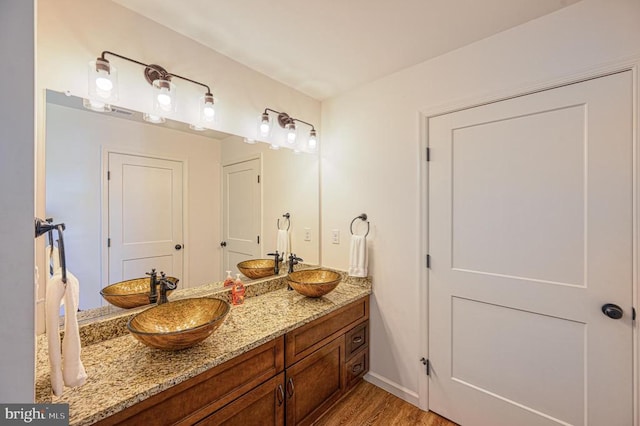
(242, 212)
(530, 234)
(145, 216)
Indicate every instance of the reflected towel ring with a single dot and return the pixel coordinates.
(286, 216)
(362, 217)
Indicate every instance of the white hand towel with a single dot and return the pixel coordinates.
(66, 366)
(282, 243)
(358, 261)
(73, 370)
(54, 294)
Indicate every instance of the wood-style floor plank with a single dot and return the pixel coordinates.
(368, 405)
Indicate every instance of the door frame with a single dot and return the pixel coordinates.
(632, 65)
(104, 207)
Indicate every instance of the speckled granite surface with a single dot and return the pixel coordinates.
(122, 371)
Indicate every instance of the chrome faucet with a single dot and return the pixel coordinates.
(277, 260)
(153, 282)
(165, 285)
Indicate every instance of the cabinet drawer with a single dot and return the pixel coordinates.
(201, 395)
(262, 406)
(304, 340)
(357, 366)
(357, 338)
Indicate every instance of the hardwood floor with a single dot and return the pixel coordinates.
(369, 405)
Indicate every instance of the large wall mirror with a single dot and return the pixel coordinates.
(136, 196)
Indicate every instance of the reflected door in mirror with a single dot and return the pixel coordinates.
(145, 216)
(242, 212)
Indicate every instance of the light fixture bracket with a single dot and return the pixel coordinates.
(156, 72)
(284, 119)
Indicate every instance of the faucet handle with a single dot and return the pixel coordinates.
(152, 273)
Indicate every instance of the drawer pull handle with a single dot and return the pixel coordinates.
(356, 368)
(290, 388)
(357, 339)
(280, 394)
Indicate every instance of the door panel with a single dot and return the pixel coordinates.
(145, 216)
(242, 212)
(530, 233)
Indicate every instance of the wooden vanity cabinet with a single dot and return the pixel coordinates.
(324, 358)
(291, 380)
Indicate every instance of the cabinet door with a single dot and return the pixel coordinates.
(315, 383)
(262, 406)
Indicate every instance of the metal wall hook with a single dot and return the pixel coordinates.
(287, 218)
(362, 217)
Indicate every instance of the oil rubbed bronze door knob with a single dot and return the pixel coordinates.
(178, 247)
(612, 311)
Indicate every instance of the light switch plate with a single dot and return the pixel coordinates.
(335, 236)
(307, 234)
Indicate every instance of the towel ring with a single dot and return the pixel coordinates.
(286, 216)
(362, 217)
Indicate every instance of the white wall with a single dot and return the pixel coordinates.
(75, 143)
(290, 183)
(371, 161)
(17, 41)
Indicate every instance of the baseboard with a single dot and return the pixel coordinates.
(393, 388)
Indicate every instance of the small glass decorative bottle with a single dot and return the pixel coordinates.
(237, 291)
(228, 282)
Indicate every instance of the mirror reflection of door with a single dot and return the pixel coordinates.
(145, 216)
(242, 212)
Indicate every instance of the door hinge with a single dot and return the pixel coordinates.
(108, 242)
(258, 178)
(258, 238)
(429, 261)
(428, 154)
(427, 365)
(633, 314)
(108, 175)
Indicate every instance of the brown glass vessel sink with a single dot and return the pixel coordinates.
(257, 268)
(179, 324)
(314, 282)
(131, 293)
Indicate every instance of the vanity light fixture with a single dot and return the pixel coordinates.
(103, 89)
(289, 124)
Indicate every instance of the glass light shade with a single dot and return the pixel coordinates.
(249, 141)
(274, 146)
(313, 141)
(291, 133)
(164, 97)
(207, 111)
(103, 81)
(197, 128)
(152, 118)
(97, 106)
(264, 125)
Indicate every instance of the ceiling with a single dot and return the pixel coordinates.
(326, 47)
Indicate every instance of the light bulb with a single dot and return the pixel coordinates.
(313, 141)
(207, 111)
(164, 93)
(264, 125)
(291, 133)
(103, 81)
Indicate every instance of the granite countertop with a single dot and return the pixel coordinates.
(122, 371)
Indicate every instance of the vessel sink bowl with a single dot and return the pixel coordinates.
(315, 282)
(257, 268)
(131, 293)
(179, 324)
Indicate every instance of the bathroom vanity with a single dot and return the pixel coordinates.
(280, 358)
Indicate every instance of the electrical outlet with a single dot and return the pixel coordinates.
(335, 236)
(307, 234)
